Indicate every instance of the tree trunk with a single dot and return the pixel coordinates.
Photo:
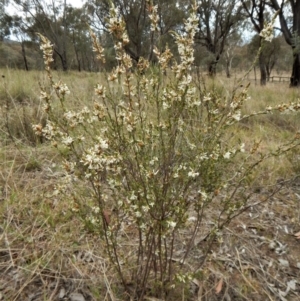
(24, 56)
(54, 64)
(228, 75)
(76, 53)
(212, 69)
(83, 62)
(295, 79)
(269, 67)
(63, 60)
(263, 71)
(268, 70)
(228, 66)
(64, 41)
(291, 36)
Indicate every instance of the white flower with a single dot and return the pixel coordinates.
(133, 197)
(129, 128)
(143, 226)
(100, 90)
(192, 146)
(203, 194)
(166, 105)
(152, 162)
(103, 144)
(93, 220)
(88, 175)
(237, 116)
(145, 208)
(96, 209)
(37, 129)
(171, 224)
(267, 33)
(67, 140)
(207, 98)
(69, 115)
(81, 138)
(85, 110)
(227, 155)
(44, 96)
(61, 88)
(138, 214)
(153, 17)
(193, 174)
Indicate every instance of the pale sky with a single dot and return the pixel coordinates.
(75, 3)
(11, 9)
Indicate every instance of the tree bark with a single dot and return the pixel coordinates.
(295, 78)
(291, 36)
(212, 68)
(256, 12)
(24, 56)
(228, 66)
(228, 75)
(63, 60)
(263, 70)
(64, 54)
(76, 53)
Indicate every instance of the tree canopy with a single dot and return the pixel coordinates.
(220, 30)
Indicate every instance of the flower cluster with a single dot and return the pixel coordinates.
(268, 32)
(153, 16)
(97, 48)
(185, 44)
(163, 58)
(51, 131)
(61, 89)
(98, 158)
(100, 91)
(47, 49)
(142, 65)
(116, 26)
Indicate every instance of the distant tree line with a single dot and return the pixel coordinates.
(222, 24)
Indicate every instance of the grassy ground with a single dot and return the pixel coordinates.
(47, 254)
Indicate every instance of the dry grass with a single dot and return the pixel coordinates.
(46, 253)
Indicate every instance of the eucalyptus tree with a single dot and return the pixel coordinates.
(5, 20)
(256, 11)
(135, 14)
(218, 19)
(232, 43)
(79, 39)
(289, 17)
(50, 19)
(270, 52)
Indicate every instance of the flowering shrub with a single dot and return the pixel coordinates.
(154, 154)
